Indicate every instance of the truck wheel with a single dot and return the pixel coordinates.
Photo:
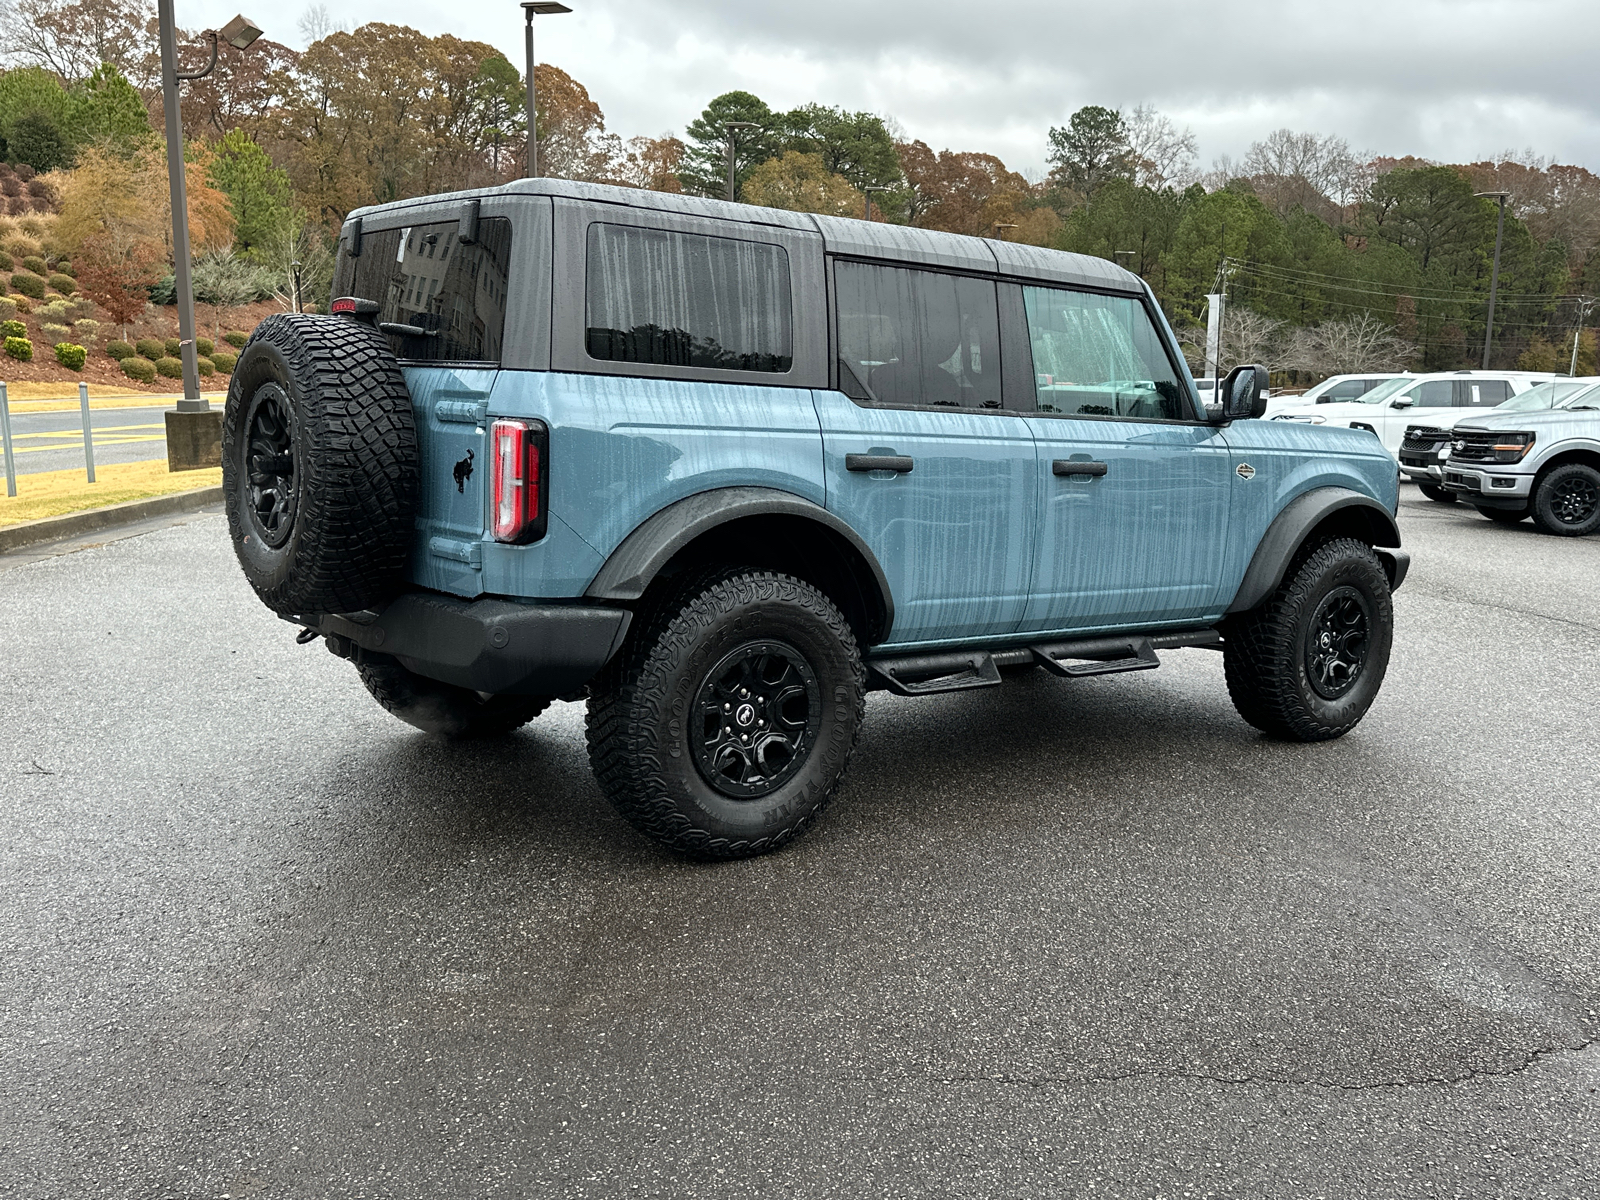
(1566, 501)
(724, 727)
(319, 465)
(1308, 663)
(443, 708)
(1434, 492)
(1502, 516)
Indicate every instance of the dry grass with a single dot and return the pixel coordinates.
(54, 493)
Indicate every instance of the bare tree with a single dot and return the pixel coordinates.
(315, 23)
(1350, 344)
(1247, 337)
(1162, 156)
(1303, 170)
(73, 37)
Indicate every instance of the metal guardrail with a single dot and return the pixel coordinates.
(10, 451)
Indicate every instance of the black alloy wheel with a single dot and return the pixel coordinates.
(1338, 637)
(760, 711)
(270, 464)
(1566, 500)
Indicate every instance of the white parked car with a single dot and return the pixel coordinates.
(1437, 400)
(1336, 389)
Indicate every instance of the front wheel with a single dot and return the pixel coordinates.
(1308, 663)
(1434, 492)
(724, 727)
(1567, 500)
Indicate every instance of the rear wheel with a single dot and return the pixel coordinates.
(1434, 492)
(1566, 501)
(443, 708)
(1502, 516)
(723, 729)
(1308, 663)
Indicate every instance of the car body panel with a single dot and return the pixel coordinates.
(1557, 432)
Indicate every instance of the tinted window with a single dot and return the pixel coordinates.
(424, 277)
(687, 300)
(917, 337)
(1100, 356)
(1487, 393)
(1436, 393)
(1347, 390)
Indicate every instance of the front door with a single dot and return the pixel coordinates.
(919, 456)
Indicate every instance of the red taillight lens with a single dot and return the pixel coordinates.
(516, 484)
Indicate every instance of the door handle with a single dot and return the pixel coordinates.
(898, 463)
(1074, 466)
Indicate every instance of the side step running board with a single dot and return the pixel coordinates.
(1097, 656)
(925, 674)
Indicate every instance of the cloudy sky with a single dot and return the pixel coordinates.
(1453, 81)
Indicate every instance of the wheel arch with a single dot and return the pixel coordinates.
(760, 527)
(1316, 516)
(1587, 455)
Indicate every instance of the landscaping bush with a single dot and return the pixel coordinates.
(56, 333)
(120, 350)
(21, 303)
(35, 264)
(224, 361)
(7, 263)
(28, 285)
(174, 347)
(236, 339)
(66, 268)
(65, 284)
(138, 368)
(205, 366)
(8, 307)
(172, 368)
(204, 347)
(87, 329)
(151, 348)
(19, 348)
(13, 329)
(70, 356)
(55, 310)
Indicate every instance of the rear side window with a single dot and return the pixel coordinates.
(1485, 393)
(917, 338)
(451, 295)
(687, 300)
(1100, 356)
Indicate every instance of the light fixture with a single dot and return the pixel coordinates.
(240, 32)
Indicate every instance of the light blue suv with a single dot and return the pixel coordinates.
(721, 470)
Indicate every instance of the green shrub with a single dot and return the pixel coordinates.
(204, 346)
(35, 264)
(172, 368)
(28, 285)
(19, 348)
(21, 304)
(7, 263)
(69, 356)
(174, 347)
(138, 368)
(65, 284)
(205, 366)
(66, 268)
(87, 329)
(13, 329)
(236, 339)
(57, 310)
(120, 350)
(151, 348)
(224, 361)
(56, 333)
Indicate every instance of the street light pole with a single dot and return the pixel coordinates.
(733, 128)
(545, 8)
(1494, 274)
(1585, 304)
(867, 192)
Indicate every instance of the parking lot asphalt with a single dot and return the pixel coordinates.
(1088, 938)
(53, 441)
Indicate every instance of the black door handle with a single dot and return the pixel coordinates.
(1074, 466)
(878, 462)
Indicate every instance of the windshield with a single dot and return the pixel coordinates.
(1583, 398)
(1384, 390)
(1553, 394)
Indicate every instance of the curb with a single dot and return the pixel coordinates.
(14, 537)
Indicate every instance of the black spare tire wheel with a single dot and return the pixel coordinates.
(319, 465)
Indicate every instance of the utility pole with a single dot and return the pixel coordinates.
(1494, 275)
(733, 128)
(1585, 306)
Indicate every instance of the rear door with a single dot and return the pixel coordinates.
(921, 458)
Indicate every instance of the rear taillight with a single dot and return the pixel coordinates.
(517, 480)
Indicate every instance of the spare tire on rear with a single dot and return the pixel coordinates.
(319, 465)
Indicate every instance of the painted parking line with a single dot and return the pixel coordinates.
(77, 444)
(78, 433)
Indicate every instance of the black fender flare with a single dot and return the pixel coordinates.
(1364, 517)
(635, 563)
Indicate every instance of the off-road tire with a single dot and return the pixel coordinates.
(646, 708)
(332, 534)
(1566, 500)
(1502, 516)
(443, 708)
(1267, 652)
(1436, 493)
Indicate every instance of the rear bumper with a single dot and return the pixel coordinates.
(496, 646)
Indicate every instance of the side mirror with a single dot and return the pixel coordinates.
(1401, 402)
(1244, 393)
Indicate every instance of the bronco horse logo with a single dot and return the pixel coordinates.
(463, 473)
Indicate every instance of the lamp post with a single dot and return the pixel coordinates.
(867, 192)
(1494, 274)
(189, 443)
(1585, 305)
(543, 8)
(733, 128)
(999, 230)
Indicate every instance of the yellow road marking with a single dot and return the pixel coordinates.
(77, 444)
(78, 433)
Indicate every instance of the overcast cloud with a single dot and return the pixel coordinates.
(1455, 82)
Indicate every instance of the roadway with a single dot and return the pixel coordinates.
(53, 441)
(1088, 938)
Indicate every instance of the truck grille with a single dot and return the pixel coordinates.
(1424, 439)
(1473, 447)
